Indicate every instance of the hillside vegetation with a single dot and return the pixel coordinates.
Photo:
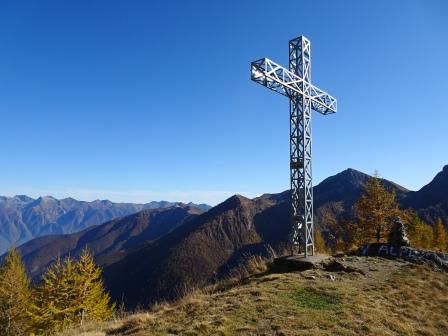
(106, 239)
(382, 297)
(159, 254)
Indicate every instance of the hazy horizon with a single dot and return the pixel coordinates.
(198, 197)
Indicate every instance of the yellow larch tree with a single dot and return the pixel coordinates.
(14, 295)
(420, 234)
(53, 309)
(71, 292)
(319, 242)
(440, 237)
(93, 301)
(375, 210)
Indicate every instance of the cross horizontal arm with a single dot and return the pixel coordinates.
(283, 81)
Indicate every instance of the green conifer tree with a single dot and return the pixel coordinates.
(14, 295)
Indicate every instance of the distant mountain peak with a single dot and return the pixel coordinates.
(348, 175)
(235, 201)
(435, 192)
(240, 199)
(42, 200)
(23, 198)
(204, 207)
(104, 201)
(347, 186)
(46, 199)
(431, 201)
(283, 196)
(352, 171)
(440, 181)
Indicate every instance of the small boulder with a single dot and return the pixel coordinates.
(334, 265)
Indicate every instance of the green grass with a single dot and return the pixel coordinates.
(311, 298)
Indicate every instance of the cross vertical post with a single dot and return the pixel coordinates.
(300, 144)
(295, 84)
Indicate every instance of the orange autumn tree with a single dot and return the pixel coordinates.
(440, 237)
(319, 242)
(71, 292)
(375, 210)
(420, 233)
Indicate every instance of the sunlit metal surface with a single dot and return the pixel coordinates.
(295, 84)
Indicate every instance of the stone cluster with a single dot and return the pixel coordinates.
(398, 236)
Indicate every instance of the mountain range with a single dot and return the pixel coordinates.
(23, 218)
(104, 240)
(159, 253)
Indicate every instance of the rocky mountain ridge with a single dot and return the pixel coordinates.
(23, 218)
(431, 201)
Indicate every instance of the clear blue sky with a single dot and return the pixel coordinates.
(147, 100)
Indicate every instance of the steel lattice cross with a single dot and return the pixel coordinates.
(295, 84)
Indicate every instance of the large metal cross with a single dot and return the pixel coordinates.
(295, 84)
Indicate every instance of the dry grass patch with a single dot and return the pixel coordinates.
(393, 299)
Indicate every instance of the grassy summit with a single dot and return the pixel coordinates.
(385, 297)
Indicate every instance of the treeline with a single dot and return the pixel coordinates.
(70, 293)
(374, 215)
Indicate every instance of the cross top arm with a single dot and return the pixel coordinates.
(281, 80)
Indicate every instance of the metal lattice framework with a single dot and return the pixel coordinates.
(295, 84)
